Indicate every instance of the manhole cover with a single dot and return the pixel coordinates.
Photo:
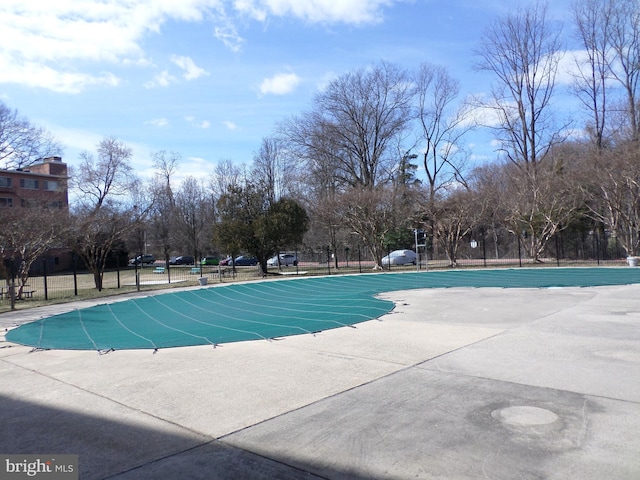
(525, 416)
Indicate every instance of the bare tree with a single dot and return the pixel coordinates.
(346, 141)
(487, 181)
(352, 124)
(592, 19)
(522, 50)
(613, 191)
(107, 175)
(369, 213)
(455, 215)
(534, 209)
(194, 217)
(22, 143)
(444, 122)
(270, 167)
(162, 214)
(624, 65)
(323, 188)
(166, 164)
(226, 175)
(102, 214)
(26, 235)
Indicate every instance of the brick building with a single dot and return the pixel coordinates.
(43, 184)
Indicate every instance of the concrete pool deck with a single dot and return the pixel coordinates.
(455, 383)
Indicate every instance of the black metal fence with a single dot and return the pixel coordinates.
(481, 249)
(501, 247)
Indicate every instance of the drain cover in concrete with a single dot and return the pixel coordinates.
(525, 416)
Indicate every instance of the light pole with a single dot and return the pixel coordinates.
(421, 241)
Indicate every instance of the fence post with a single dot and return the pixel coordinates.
(328, 261)
(75, 274)
(135, 266)
(484, 247)
(519, 252)
(359, 260)
(44, 275)
(12, 293)
(426, 254)
(12, 286)
(388, 256)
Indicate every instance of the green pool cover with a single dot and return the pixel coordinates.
(266, 310)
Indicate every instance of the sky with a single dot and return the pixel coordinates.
(209, 79)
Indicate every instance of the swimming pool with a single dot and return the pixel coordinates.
(265, 310)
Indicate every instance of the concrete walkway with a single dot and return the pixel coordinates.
(453, 384)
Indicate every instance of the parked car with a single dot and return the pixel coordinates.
(148, 259)
(400, 257)
(226, 261)
(286, 259)
(209, 261)
(245, 261)
(181, 260)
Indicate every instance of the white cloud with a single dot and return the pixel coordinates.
(35, 74)
(485, 111)
(59, 47)
(326, 79)
(163, 79)
(252, 8)
(37, 41)
(75, 139)
(190, 69)
(196, 167)
(279, 84)
(229, 36)
(197, 124)
(570, 65)
(158, 122)
(354, 12)
(449, 149)
(230, 125)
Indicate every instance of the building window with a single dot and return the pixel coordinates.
(5, 181)
(29, 183)
(50, 185)
(28, 203)
(6, 202)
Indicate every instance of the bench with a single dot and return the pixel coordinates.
(28, 293)
(158, 270)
